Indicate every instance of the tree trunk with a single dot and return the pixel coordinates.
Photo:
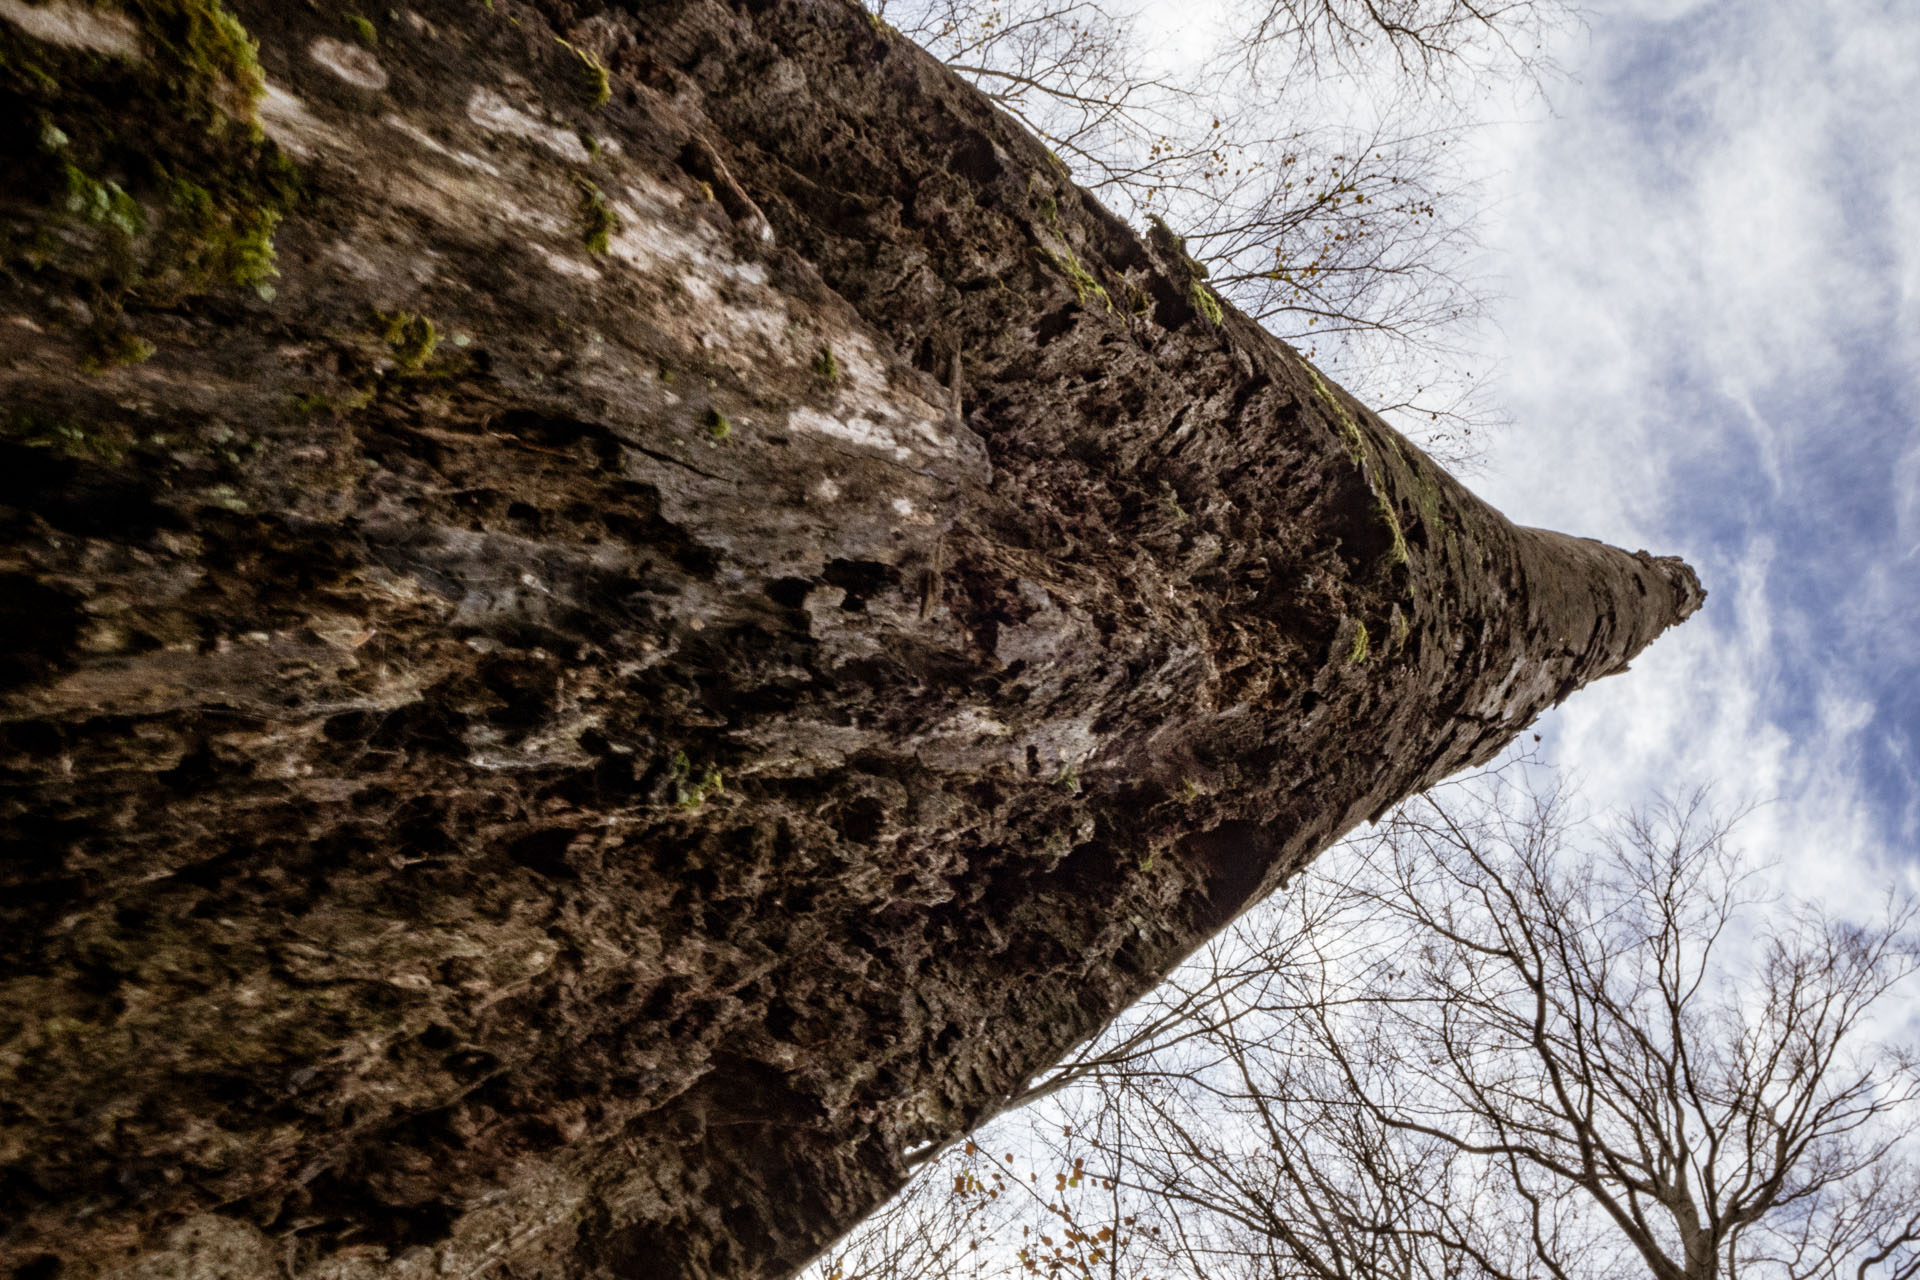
(709, 616)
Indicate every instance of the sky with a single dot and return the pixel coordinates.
(1709, 249)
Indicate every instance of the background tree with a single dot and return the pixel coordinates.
(1508, 1044)
(1306, 148)
(1441, 44)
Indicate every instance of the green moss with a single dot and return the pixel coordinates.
(131, 349)
(1397, 554)
(36, 432)
(1427, 493)
(692, 787)
(363, 30)
(158, 162)
(221, 61)
(1205, 303)
(88, 443)
(1201, 298)
(116, 347)
(1426, 489)
(599, 87)
(412, 338)
(1362, 645)
(103, 203)
(248, 252)
(1349, 427)
(718, 426)
(1163, 237)
(1084, 285)
(1397, 629)
(825, 367)
(1363, 458)
(227, 497)
(231, 245)
(602, 222)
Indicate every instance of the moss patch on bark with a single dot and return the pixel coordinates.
(140, 170)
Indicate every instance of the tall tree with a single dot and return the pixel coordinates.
(714, 616)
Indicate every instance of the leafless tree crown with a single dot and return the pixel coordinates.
(1498, 1044)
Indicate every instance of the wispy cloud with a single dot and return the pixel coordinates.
(1712, 348)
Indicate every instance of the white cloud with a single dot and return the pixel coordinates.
(1713, 258)
(1697, 710)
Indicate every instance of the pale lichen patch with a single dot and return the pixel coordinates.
(427, 140)
(572, 268)
(496, 115)
(861, 372)
(650, 244)
(702, 294)
(652, 194)
(864, 377)
(854, 429)
(353, 262)
(969, 722)
(352, 63)
(288, 122)
(454, 198)
(75, 26)
(730, 300)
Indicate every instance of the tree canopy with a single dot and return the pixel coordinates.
(1493, 1040)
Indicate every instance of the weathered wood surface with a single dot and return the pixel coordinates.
(818, 621)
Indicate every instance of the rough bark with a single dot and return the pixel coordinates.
(680, 648)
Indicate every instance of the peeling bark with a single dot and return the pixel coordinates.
(663, 652)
